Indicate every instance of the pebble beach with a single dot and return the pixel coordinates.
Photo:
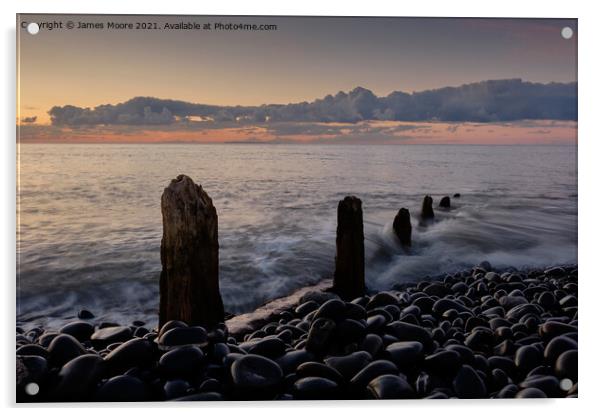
(479, 333)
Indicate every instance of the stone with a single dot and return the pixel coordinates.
(557, 346)
(409, 332)
(349, 365)
(291, 360)
(468, 385)
(319, 335)
(182, 361)
(201, 397)
(62, 349)
(527, 358)
(445, 362)
(256, 376)
(122, 389)
(445, 202)
(315, 388)
(271, 347)
(349, 261)
(85, 314)
(32, 349)
(456, 195)
(566, 365)
(531, 393)
(175, 388)
(405, 354)
(78, 378)
(137, 352)
(402, 227)
(316, 369)
(189, 282)
(371, 371)
(79, 330)
(427, 213)
(110, 335)
(390, 386)
(190, 335)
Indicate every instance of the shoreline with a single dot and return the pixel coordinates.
(477, 333)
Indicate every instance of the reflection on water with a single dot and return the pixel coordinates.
(90, 221)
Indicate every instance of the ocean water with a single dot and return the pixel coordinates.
(89, 218)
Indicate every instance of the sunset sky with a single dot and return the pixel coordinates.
(303, 60)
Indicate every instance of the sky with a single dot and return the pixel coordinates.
(303, 60)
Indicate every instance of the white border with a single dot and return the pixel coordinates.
(590, 201)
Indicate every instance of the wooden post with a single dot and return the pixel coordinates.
(403, 227)
(427, 214)
(189, 282)
(349, 260)
(445, 202)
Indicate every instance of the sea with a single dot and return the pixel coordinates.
(89, 217)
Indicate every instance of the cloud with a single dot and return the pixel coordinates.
(483, 102)
(31, 119)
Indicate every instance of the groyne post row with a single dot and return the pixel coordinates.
(189, 283)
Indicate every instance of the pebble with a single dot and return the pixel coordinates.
(254, 375)
(315, 388)
(109, 335)
(468, 385)
(79, 330)
(405, 354)
(64, 348)
(182, 361)
(136, 352)
(122, 389)
(189, 335)
(390, 386)
(566, 365)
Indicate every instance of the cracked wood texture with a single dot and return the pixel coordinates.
(189, 282)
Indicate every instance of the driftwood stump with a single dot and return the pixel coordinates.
(427, 213)
(349, 260)
(445, 202)
(403, 227)
(189, 255)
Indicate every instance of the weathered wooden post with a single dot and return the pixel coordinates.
(427, 214)
(403, 227)
(189, 282)
(445, 202)
(349, 261)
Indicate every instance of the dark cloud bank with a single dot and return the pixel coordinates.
(487, 101)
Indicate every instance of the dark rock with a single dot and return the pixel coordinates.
(405, 354)
(319, 335)
(315, 388)
(456, 195)
(409, 332)
(333, 309)
(201, 397)
(175, 388)
(78, 378)
(468, 385)
(508, 392)
(436, 289)
(349, 365)
(85, 314)
(122, 389)
(306, 308)
(182, 361)
(349, 330)
(443, 305)
(171, 325)
(349, 261)
(256, 376)
(29, 369)
(373, 344)
(390, 386)
(190, 335)
(531, 393)
(548, 384)
(557, 346)
(552, 329)
(315, 369)
(527, 358)
(293, 359)
(371, 371)
(62, 349)
(402, 227)
(103, 337)
(79, 330)
(566, 365)
(137, 352)
(32, 349)
(443, 362)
